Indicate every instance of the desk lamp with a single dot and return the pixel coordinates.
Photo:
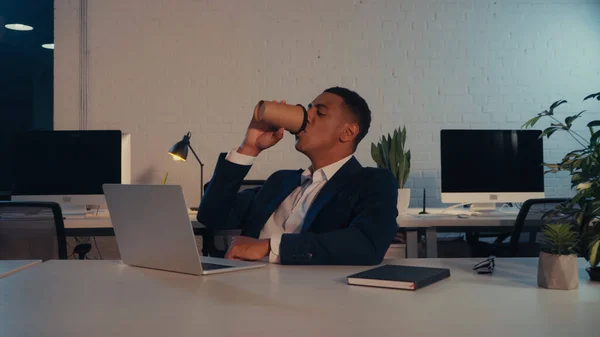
(179, 151)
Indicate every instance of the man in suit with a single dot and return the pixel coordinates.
(334, 212)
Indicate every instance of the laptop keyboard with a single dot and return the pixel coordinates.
(212, 266)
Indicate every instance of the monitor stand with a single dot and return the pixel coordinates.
(484, 207)
(74, 210)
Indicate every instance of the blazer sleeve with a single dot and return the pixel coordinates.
(223, 206)
(366, 239)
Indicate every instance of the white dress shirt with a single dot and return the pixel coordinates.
(289, 216)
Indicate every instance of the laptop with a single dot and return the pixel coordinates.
(153, 230)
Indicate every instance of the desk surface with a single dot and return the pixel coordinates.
(102, 220)
(9, 267)
(438, 217)
(107, 298)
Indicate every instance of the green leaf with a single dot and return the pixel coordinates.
(555, 105)
(407, 167)
(593, 123)
(594, 138)
(596, 96)
(594, 207)
(530, 123)
(569, 121)
(393, 155)
(593, 253)
(578, 178)
(401, 159)
(548, 132)
(594, 171)
(383, 149)
(577, 198)
(574, 153)
(579, 218)
(376, 155)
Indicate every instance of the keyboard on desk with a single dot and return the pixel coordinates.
(212, 266)
(434, 215)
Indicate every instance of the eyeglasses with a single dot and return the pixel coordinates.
(485, 267)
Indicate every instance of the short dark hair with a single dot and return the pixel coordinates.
(358, 107)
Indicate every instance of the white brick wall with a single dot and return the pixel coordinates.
(161, 68)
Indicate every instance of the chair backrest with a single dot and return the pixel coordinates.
(31, 230)
(532, 210)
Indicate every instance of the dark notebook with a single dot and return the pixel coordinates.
(399, 277)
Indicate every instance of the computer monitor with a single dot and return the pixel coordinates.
(488, 167)
(69, 167)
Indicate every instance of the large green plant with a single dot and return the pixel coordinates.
(389, 153)
(583, 165)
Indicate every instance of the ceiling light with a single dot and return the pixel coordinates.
(18, 26)
(48, 45)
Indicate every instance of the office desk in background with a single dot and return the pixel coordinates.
(107, 298)
(100, 225)
(9, 267)
(440, 218)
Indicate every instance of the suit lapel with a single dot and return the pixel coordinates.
(340, 179)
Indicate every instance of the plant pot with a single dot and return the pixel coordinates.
(403, 200)
(594, 273)
(558, 271)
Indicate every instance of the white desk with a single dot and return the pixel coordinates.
(106, 298)
(440, 217)
(9, 267)
(100, 225)
(102, 220)
(412, 220)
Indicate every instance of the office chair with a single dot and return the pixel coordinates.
(208, 235)
(32, 230)
(532, 210)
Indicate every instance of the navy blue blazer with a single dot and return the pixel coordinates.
(352, 220)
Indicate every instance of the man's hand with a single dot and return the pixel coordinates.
(246, 248)
(260, 136)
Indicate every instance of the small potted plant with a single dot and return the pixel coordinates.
(593, 258)
(390, 154)
(557, 266)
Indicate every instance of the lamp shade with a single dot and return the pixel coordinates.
(179, 151)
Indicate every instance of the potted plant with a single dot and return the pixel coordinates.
(557, 266)
(583, 165)
(390, 154)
